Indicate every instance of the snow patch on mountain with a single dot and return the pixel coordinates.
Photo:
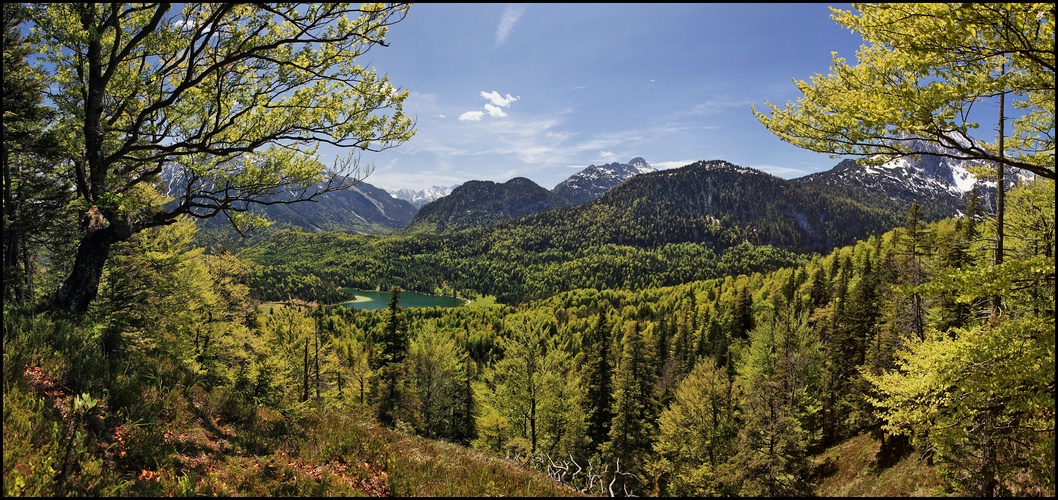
(592, 182)
(418, 198)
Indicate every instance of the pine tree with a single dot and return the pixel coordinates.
(780, 377)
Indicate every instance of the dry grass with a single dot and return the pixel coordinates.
(853, 472)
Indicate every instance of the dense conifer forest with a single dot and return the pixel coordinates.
(615, 348)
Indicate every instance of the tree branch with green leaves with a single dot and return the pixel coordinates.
(234, 98)
(922, 70)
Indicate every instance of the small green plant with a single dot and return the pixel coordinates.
(186, 485)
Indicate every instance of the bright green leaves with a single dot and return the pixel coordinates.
(535, 387)
(203, 94)
(980, 395)
(207, 84)
(697, 431)
(921, 71)
(986, 388)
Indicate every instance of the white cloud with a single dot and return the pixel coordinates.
(494, 107)
(719, 105)
(495, 98)
(606, 155)
(507, 20)
(494, 110)
(472, 116)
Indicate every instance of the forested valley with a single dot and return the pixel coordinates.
(614, 348)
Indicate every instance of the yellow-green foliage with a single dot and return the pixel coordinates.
(922, 68)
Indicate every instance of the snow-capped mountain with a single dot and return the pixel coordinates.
(592, 182)
(422, 196)
(939, 184)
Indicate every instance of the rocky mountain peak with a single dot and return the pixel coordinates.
(592, 182)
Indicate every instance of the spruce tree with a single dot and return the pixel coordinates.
(636, 411)
(392, 350)
(35, 191)
(598, 372)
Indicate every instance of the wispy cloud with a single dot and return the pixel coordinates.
(507, 20)
(717, 106)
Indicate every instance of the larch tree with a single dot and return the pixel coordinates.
(233, 99)
(696, 433)
(533, 387)
(437, 369)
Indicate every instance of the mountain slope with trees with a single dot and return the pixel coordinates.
(656, 229)
(483, 203)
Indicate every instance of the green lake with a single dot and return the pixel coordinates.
(367, 299)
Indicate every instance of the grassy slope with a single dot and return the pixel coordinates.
(854, 473)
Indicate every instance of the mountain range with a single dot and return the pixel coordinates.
(484, 203)
(809, 213)
(360, 208)
(418, 198)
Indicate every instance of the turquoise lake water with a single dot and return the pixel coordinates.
(367, 299)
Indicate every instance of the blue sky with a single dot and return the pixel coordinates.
(544, 90)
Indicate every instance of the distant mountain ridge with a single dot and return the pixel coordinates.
(722, 204)
(592, 182)
(421, 197)
(484, 203)
(939, 184)
(360, 208)
(883, 193)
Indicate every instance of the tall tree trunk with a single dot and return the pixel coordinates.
(13, 278)
(305, 377)
(1000, 188)
(317, 364)
(81, 287)
(13, 239)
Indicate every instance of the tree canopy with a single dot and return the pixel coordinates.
(923, 69)
(235, 99)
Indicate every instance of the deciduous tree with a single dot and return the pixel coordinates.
(235, 98)
(923, 68)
